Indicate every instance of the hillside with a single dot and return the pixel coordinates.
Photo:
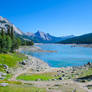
(4, 24)
(83, 39)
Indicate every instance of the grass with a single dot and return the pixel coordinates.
(11, 59)
(11, 82)
(21, 88)
(86, 72)
(35, 77)
(80, 73)
(8, 76)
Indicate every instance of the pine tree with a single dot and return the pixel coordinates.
(9, 43)
(0, 43)
(9, 31)
(18, 43)
(3, 44)
(13, 44)
(12, 33)
(3, 41)
(25, 43)
(2, 32)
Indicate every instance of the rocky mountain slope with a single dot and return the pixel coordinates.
(39, 36)
(4, 23)
(46, 37)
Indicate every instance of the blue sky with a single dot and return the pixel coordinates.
(57, 17)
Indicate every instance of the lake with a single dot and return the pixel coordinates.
(65, 55)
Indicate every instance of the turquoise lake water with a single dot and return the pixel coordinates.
(64, 56)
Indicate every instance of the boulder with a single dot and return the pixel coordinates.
(2, 78)
(1, 73)
(7, 71)
(23, 62)
(38, 79)
(5, 66)
(60, 78)
(89, 63)
(53, 79)
(4, 74)
(3, 84)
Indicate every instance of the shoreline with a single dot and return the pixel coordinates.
(33, 49)
(64, 74)
(37, 60)
(80, 45)
(38, 49)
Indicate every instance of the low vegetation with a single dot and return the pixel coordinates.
(21, 88)
(11, 82)
(35, 77)
(11, 59)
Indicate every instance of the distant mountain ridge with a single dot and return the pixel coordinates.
(83, 39)
(39, 37)
(42, 37)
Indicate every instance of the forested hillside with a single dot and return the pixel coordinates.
(83, 39)
(9, 42)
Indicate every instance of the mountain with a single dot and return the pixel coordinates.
(83, 39)
(4, 23)
(39, 36)
(42, 37)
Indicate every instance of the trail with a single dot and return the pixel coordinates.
(33, 63)
(46, 84)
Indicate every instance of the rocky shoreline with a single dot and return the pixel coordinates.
(38, 65)
(66, 75)
(81, 45)
(37, 62)
(33, 49)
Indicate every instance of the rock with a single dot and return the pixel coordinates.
(3, 84)
(2, 74)
(2, 78)
(5, 66)
(89, 63)
(7, 71)
(60, 78)
(74, 90)
(63, 75)
(49, 80)
(54, 79)
(62, 71)
(38, 79)
(23, 62)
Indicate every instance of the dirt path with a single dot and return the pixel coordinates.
(33, 63)
(21, 71)
(84, 85)
(58, 86)
(51, 84)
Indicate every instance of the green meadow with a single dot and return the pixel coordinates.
(35, 77)
(11, 59)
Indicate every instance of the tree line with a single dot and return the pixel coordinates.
(9, 42)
